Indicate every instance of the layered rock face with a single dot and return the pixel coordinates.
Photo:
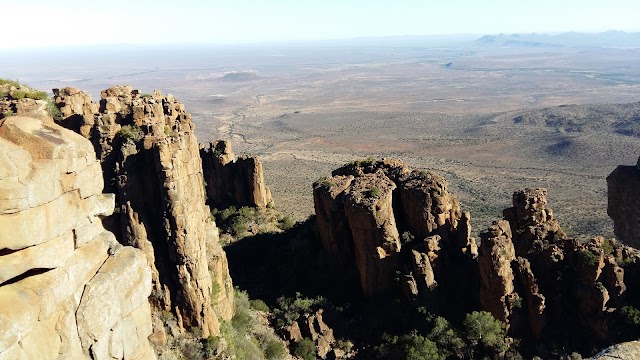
(150, 153)
(362, 210)
(540, 283)
(68, 289)
(623, 186)
(232, 180)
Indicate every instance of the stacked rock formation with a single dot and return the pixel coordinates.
(312, 326)
(623, 186)
(150, 156)
(358, 212)
(542, 284)
(232, 180)
(68, 289)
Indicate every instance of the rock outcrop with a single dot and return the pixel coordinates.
(378, 213)
(150, 157)
(232, 180)
(495, 257)
(543, 284)
(623, 186)
(629, 350)
(20, 100)
(68, 289)
(313, 327)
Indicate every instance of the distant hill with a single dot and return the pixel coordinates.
(619, 118)
(240, 76)
(610, 39)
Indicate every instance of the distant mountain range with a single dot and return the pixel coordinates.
(612, 39)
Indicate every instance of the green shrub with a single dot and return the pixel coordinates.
(210, 346)
(344, 345)
(407, 237)
(53, 110)
(482, 328)
(374, 192)
(18, 94)
(167, 131)
(271, 346)
(587, 259)
(305, 348)
(446, 338)
(607, 246)
(286, 222)
(14, 83)
(630, 315)
(37, 95)
(290, 309)
(242, 320)
(131, 132)
(259, 305)
(417, 347)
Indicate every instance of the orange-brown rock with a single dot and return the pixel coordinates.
(496, 276)
(623, 188)
(232, 180)
(331, 220)
(364, 207)
(68, 289)
(150, 154)
(535, 300)
(369, 212)
(532, 223)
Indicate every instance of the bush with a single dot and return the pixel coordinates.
(290, 309)
(271, 346)
(242, 320)
(305, 349)
(14, 83)
(446, 338)
(587, 259)
(286, 223)
(482, 328)
(417, 347)
(53, 110)
(374, 192)
(130, 132)
(630, 315)
(259, 305)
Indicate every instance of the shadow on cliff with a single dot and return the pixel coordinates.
(271, 265)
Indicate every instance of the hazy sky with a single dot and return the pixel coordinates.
(36, 23)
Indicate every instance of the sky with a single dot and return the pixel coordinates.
(42, 23)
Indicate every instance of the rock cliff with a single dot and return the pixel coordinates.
(623, 186)
(232, 180)
(68, 289)
(150, 158)
(377, 213)
(543, 284)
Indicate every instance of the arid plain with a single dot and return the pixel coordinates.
(450, 108)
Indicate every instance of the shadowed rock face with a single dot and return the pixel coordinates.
(623, 186)
(68, 289)
(231, 180)
(364, 207)
(150, 156)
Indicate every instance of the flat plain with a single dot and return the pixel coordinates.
(455, 109)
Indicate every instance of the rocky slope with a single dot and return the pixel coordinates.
(68, 289)
(232, 180)
(150, 159)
